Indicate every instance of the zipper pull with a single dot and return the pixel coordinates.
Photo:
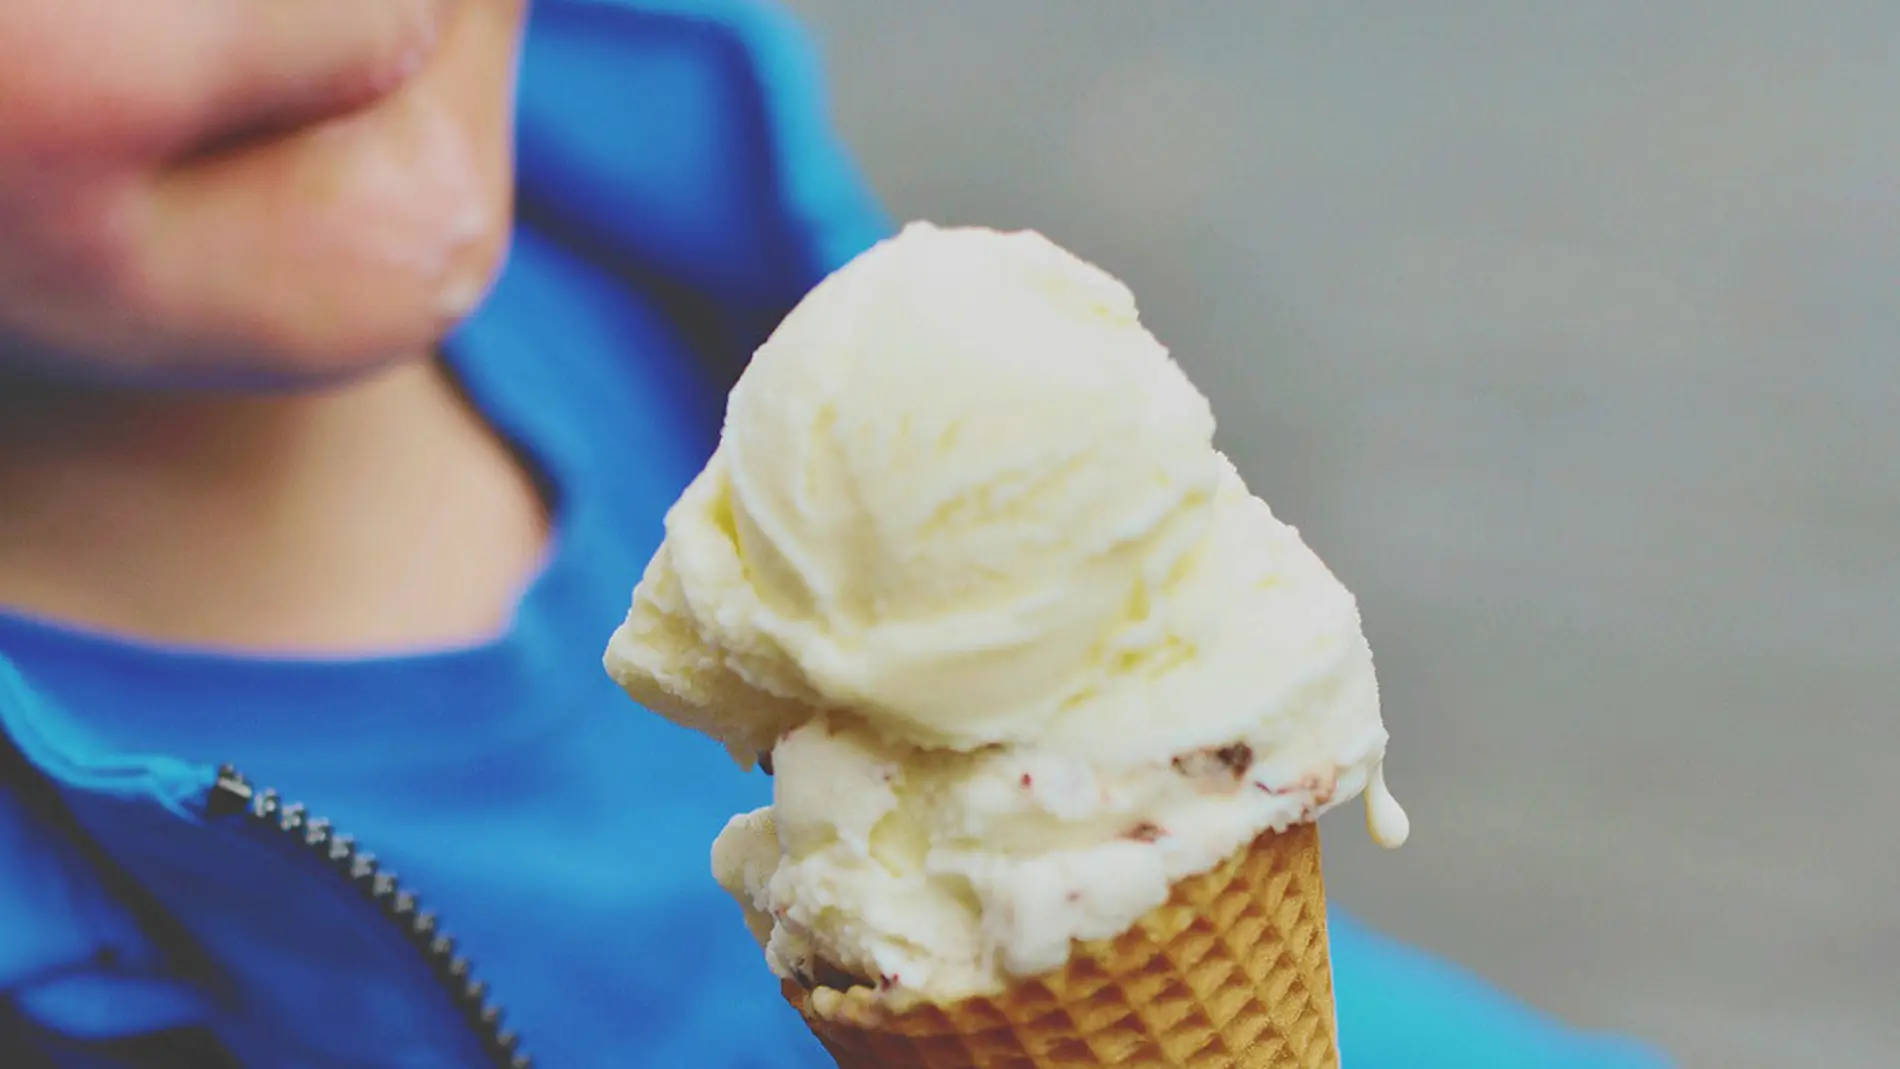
(231, 794)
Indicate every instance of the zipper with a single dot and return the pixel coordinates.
(232, 795)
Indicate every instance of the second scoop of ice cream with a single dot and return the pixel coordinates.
(1023, 647)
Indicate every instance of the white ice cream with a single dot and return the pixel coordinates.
(1021, 645)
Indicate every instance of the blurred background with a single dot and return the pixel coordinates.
(1570, 335)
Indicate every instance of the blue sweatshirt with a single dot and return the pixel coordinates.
(481, 856)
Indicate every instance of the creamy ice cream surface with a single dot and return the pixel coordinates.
(1020, 644)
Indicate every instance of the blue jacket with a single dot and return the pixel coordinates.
(467, 858)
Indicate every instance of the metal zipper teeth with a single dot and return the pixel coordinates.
(233, 795)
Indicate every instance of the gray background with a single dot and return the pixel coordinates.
(1566, 332)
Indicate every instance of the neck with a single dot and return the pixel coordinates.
(376, 515)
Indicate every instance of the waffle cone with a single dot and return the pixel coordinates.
(1232, 972)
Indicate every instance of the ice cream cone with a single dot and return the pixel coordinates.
(1232, 972)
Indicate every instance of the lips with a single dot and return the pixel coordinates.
(289, 110)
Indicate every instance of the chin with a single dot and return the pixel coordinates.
(323, 356)
(339, 320)
(380, 320)
(366, 320)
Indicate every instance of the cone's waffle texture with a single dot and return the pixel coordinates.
(1232, 972)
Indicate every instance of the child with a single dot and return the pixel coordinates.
(284, 525)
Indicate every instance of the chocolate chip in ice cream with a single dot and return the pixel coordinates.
(1232, 760)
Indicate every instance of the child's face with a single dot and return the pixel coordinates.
(249, 190)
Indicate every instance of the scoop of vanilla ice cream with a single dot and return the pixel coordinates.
(940, 482)
(1023, 647)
